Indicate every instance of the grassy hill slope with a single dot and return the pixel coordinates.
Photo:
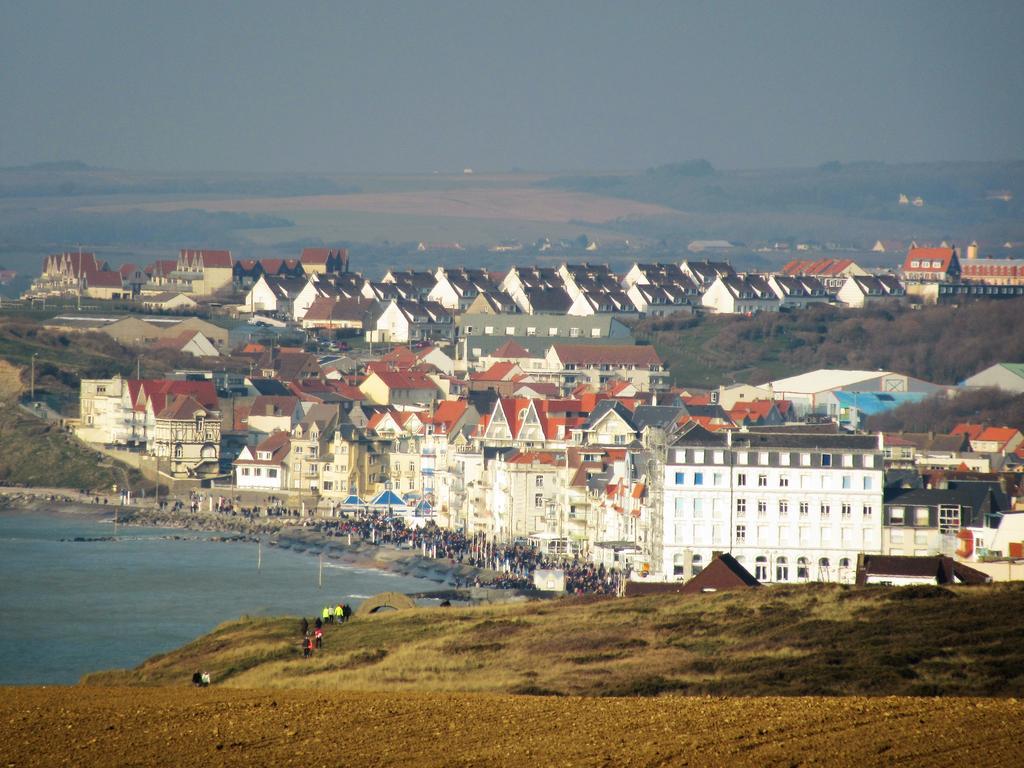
(37, 454)
(944, 344)
(814, 639)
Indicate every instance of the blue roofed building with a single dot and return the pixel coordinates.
(851, 409)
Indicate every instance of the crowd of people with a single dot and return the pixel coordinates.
(514, 563)
(313, 637)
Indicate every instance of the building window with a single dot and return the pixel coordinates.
(680, 478)
(698, 509)
(866, 511)
(825, 510)
(716, 479)
(802, 568)
(847, 459)
(595, 333)
(698, 564)
(762, 457)
(245, 471)
(784, 459)
(783, 507)
(698, 478)
(741, 507)
(826, 459)
(896, 515)
(741, 479)
(538, 500)
(741, 534)
(762, 508)
(761, 568)
(845, 509)
(742, 458)
(805, 459)
(949, 519)
(921, 516)
(510, 330)
(680, 508)
(719, 457)
(762, 481)
(781, 569)
(538, 481)
(804, 509)
(847, 482)
(783, 481)
(868, 483)
(271, 473)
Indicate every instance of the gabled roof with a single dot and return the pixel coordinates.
(500, 371)
(274, 405)
(326, 309)
(181, 408)
(936, 260)
(405, 380)
(278, 443)
(554, 299)
(1000, 435)
(321, 255)
(616, 355)
(210, 259)
(818, 267)
(511, 349)
(104, 280)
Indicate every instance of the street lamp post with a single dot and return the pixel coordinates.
(32, 377)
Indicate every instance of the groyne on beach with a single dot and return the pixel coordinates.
(455, 580)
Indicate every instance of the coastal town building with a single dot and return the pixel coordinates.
(789, 506)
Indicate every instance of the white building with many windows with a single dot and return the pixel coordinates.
(791, 506)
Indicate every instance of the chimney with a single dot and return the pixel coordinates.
(972, 250)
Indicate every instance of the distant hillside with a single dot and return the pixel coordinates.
(63, 359)
(799, 640)
(807, 201)
(36, 454)
(944, 344)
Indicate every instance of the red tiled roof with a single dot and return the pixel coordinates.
(966, 428)
(510, 349)
(211, 259)
(498, 372)
(278, 443)
(1001, 435)
(126, 269)
(942, 257)
(817, 267)
(104, 280)
(320, 255)
(404, 380)
(273, 405)
(181, 408)
(611, 354)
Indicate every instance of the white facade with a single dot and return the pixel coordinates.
(261, 297)
(790, 508)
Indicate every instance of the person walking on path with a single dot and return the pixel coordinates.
(326, 614)
(307, 647)
(319, 634)
(304, 626)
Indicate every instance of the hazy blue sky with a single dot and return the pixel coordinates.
(419, 86)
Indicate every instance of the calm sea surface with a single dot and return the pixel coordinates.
(67, 608)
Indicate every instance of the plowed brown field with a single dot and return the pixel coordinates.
(183, 726)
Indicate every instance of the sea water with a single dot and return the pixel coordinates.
(72, 607)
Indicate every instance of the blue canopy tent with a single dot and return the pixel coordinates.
(387, 498)
(352, 501)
